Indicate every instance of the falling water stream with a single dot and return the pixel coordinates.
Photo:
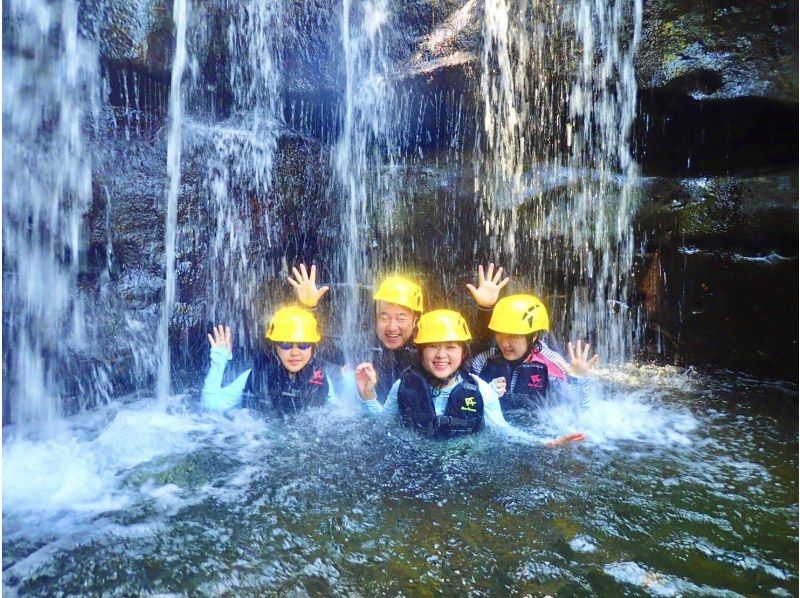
(686, 484)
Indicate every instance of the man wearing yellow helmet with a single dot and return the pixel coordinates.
(438, 397)
(521, 367)
(398, 306)
(287, 380)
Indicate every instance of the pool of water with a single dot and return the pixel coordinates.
(687, 484)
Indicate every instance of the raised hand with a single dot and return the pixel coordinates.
(305, 284)
(577, 437)
(489, 286)
(366, 380)
(580, 363)
(222, 337)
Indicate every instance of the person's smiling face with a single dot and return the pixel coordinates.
(442, 359)
(394, 324)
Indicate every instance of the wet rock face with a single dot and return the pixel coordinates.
(717, 127)
(720, 283)
(720, 49)
(123, 272)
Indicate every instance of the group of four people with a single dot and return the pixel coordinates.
(421, 369)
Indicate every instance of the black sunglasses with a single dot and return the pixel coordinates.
(301, 346)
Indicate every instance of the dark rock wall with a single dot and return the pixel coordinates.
(716, 139)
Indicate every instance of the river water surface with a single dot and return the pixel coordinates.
(687, 485)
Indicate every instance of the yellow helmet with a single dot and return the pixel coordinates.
(441, 326)
(401, 291)
(519, 314)
(293, 325)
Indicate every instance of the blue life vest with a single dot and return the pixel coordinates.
(462, 415)
(529, 387)
(273, 386)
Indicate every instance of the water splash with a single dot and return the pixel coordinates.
(51, 91)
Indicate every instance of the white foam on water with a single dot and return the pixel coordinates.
(60, 474)
(56, 485)
(653, 582)
(583, 544)
(628, 404)
(146, 430)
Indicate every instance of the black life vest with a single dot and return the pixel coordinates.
(391, 363)
(530, 382)
(273, 386)
(462, 415)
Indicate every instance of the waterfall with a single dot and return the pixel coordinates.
(602, 109)
(51, 91)
(359, 155)
(553, 162)
(240, 165)
(179, 15)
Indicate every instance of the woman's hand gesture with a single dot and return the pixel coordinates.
(580, 363)
(489, 286)
(222, 337)
(366, 380)
(305, 284)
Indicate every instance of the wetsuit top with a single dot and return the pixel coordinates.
(272, 386)
(271, 383)
(390, 363)
(529, 379)
(492, 413)
(463, 411)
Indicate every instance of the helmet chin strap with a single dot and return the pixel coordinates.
(437, 383)
(533, 347)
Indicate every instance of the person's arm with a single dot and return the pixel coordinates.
(579, 369)
(367, 380)
(214, 395)
(493, 418)
(477, 363)
(485, 296)
(304, 282)
(492, 412)
(332, 398)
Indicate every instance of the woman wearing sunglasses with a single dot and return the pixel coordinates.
(287, 380)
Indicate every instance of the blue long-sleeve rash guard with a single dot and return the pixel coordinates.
(216, 397)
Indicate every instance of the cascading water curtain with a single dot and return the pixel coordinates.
(554, 169)
(180, 17)
(602, 109)
(51, 86)
(240, 163)
(519, 147)
(363, 154)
